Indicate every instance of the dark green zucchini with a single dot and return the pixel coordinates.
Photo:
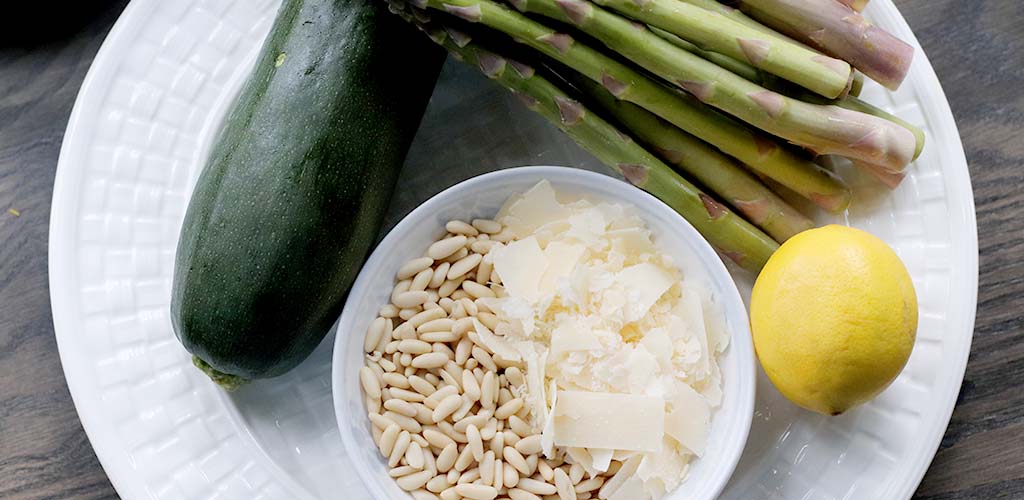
(296, 186)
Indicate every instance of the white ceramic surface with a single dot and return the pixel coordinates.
(139, 131)
(481, 197)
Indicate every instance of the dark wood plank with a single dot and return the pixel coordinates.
(44, 452)
(977, 48)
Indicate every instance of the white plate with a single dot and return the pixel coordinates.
(138, 133)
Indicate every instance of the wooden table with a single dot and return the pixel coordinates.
(976, 46)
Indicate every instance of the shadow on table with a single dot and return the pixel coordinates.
(29, 24)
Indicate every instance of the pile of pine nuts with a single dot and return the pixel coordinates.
(447, 414)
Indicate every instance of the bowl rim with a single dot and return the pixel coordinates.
(715, 269)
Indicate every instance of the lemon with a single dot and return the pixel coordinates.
(834, 316)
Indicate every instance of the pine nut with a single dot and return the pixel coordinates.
(459, 227)
(536, 487)
(476, 491)
(388, 438)
(487, 468)
(437, 438)
(529, 445)
(485, 360)
(439, 337)
(518, 425)
(487, 226)
(388, 311)
(421, 279)
(499, 474)
(563, 485)
(396, 380)
(515, 459)
(545, 471)
(476, 290)
(426, 316)
(489, 320)
(423, 415)
(464, 265)
(439, 395)
(463, 410)
(483, 271)
(449, 494)
(410, 268)
(412, 397)
(448, 430)
(414, 456)
(438, 484)
(413, 481)
(401, 470)
(371, 386)
(408, 423)
(446, 247)
(489, 430)
(398, 451)
(400, 407)
(515, 377)
(374, 334)
(448, 288)
(409, 299)
(576, 473)
(476, 444)
(469, 476)
(589, 485)
(464, 460)
(436, 325)
(470, 387)
(511, 476)
(406, 314)
(504, 236)
(497, 444)
(439, 276)
(518, 494)
(457, 256)
(483, 247)
(413, 346)
(430, 360)
(488, 392)
(423, 495)
(446, 407)
(446, 459)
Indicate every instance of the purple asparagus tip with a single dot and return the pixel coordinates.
(560, 41)
(613, 85)
(524, 70)
(635, 174)
(491, 64)
(471, 13)
(576, 10)
(572, 112)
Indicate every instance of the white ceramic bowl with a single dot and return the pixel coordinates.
(481, 197)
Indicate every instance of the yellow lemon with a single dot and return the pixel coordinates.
(834, 316)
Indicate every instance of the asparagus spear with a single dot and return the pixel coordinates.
(733, 236)
(759, 151)
(824, 129)
(838, 30)
(855, 104)
(714, 170)
(733, 65)
(818, 73)
(749, 72)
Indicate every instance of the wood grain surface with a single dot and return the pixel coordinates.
(976, 46)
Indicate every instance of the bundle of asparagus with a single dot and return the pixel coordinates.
(710, 90)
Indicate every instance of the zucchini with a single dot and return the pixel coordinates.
(295, 189)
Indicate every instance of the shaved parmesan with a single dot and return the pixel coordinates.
(643, 284)
(606, 420)
(688, 418)
(620, 353)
